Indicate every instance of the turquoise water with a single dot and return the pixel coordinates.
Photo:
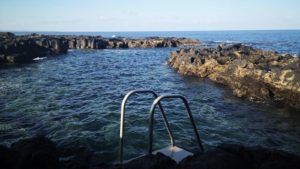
(75, 99)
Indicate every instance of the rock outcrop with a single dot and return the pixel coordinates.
(98, 42)
(230, 156)
(40, 152)
(257, 75)
(19, 49)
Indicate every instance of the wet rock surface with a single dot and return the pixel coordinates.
(40, 152)
(257, 75)
(19, 49)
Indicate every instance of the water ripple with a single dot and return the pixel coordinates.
(75, 100)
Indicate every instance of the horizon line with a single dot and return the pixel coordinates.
(221, 30)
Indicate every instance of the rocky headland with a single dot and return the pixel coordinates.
(19, 49)
(42, 153)
(254, 74)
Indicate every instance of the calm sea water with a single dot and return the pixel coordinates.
(75, 99)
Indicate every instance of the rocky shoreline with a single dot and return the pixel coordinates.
(40, 152)
(253, 74)
(19, 49)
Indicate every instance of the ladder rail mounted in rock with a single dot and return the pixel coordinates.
(172, 151)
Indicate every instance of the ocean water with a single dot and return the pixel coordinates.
(75, 100)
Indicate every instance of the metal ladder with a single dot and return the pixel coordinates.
(172, 151)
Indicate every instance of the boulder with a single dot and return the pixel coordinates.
(72, 43)
(59, 46)
(35, 153)
(7, 35)
(101, 44)
(232, 156)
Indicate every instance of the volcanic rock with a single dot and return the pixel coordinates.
(257, 75)
(19, 49)
(232, 156)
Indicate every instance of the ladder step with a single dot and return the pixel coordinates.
(174, 152)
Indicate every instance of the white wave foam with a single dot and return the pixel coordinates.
(39, 58)
(226, 41)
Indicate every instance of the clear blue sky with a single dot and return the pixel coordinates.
(150, 15)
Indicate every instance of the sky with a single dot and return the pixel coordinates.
(148, 15)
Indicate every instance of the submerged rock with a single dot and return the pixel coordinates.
(257, 75)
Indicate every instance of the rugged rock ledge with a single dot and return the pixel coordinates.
(17, 49)
(41, 153)
(257, 75)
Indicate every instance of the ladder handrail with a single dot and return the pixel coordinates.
(155, 103)
(122, 118)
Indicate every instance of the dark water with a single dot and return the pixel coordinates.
(74, 99)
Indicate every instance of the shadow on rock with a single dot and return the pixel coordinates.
(229, 156)
(33, 153)
(41, 153)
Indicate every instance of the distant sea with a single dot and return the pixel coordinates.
(282, 41)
